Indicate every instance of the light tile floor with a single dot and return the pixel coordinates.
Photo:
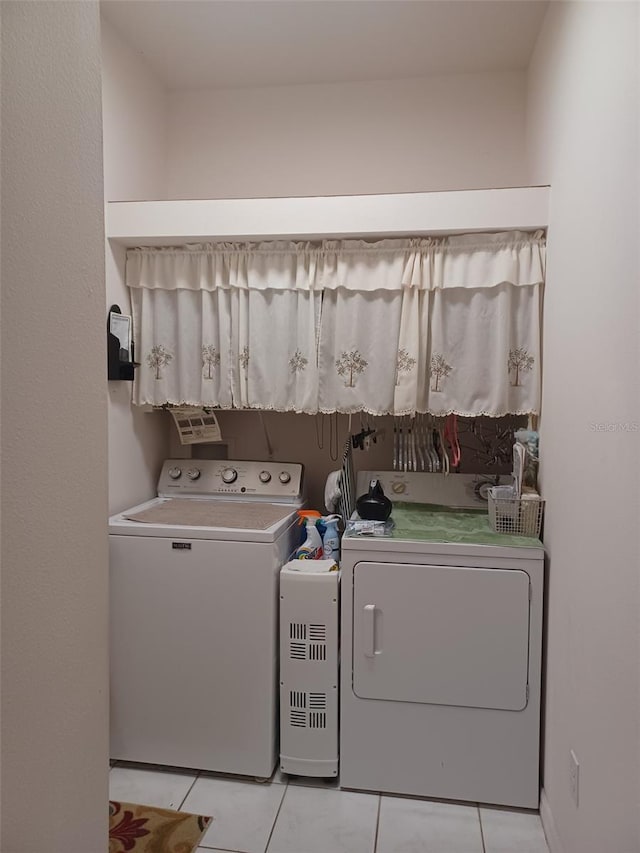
(296, 815)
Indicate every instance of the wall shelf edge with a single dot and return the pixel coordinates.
(166, 223)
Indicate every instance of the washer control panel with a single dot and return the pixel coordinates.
(273, 481)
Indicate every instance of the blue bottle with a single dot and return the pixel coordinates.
(331, 539)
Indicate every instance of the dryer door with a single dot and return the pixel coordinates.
(441, 635)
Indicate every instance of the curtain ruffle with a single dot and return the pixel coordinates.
(469, 260)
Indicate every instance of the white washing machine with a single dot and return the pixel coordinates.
(441, 651)
(194, 592)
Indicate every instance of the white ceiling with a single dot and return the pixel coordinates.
(246, 43)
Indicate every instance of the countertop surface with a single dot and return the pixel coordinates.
(433, 523)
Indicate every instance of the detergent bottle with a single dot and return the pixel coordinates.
(331, 539)
(303, 516)
(311, 548)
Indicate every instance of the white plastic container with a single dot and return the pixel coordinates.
(517, 516)
(309, 618)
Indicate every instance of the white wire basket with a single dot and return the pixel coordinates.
(516, 516)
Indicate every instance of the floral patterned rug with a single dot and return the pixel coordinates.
(146, 829)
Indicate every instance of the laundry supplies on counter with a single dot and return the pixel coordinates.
(369, 527)
(519, 461)
(530, 439)
(374, 505)
(331, 538)
(518, 509)
(311, 548)
(322, 537)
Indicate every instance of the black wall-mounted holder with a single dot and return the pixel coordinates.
(116, 367)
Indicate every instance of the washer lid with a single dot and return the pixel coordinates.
(245, 521)
(202, 513)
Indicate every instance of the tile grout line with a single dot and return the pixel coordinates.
(484, 848)
(286, 788)
(182, 802)
(202, 847)
(375, 837)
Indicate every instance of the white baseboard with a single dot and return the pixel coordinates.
(549, 826)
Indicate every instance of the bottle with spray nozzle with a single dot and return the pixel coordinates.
(311, 548)
(331, 538)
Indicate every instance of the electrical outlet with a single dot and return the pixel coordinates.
(574, 776)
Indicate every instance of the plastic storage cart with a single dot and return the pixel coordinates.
(309, 619)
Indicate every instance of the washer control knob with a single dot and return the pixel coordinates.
(193, 473)
(264, 476)
(174, 473)
(229, 475)
(284, 476)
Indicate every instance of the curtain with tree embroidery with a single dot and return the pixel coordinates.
(372, 356)
(390, 326)
(227, 348)
(484, 355)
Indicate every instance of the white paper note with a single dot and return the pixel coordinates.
(196, 426)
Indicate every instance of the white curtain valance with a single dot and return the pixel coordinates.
(470, 260)
(390, 327)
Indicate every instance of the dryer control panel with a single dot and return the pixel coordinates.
(243, 479)
(456, 490)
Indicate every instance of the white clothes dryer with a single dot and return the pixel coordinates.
(441, 651)
(194, 592)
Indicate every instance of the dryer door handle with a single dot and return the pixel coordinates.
(369, 630)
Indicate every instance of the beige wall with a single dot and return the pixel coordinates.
(440, 133)
(453, 132)
(583, 135)
(54, 443)
(135, 122)
(134, 114)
